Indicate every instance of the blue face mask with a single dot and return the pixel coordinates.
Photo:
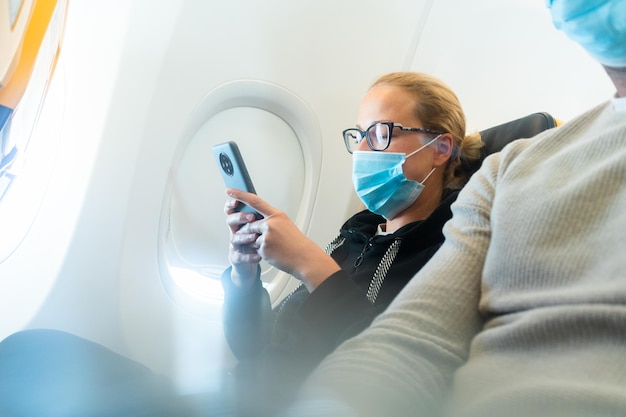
(381, 184)
(599, 26)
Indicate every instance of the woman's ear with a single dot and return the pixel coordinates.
(443, 149)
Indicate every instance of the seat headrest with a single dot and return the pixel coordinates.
(497, 137)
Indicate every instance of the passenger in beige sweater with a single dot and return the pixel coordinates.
(522, 312)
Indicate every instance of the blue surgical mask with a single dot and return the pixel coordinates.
(381, 184)
(599, 26)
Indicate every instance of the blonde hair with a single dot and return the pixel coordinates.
(439, 109)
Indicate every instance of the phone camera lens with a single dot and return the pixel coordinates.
(226, 163)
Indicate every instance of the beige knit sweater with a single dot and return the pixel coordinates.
(522, 312)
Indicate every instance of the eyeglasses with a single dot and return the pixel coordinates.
(378, 135)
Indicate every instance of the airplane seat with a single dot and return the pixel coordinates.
(63, 374)
(497, 137)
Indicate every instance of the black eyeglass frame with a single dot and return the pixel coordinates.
(390, 125)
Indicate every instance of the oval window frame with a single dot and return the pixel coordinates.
(295, 112)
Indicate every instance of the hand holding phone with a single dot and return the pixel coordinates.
(234, 172)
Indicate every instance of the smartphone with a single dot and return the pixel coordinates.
(234, 171)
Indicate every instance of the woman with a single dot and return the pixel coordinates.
(407, 147)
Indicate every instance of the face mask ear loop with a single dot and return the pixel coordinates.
(422, 147)
(427, 176)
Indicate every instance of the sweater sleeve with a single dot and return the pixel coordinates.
(247, 316)
(403, 364)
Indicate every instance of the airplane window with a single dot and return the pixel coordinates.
(26, 168)
(197, 241)
(193, 242)
(14, 8)
(27, 144)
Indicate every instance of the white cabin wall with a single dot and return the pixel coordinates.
(505, 59)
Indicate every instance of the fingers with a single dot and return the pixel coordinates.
(238, 258)
(252, 240)
(229, 207)
(236, 220)
(243, 249)
(251, 200)
(239, 239)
